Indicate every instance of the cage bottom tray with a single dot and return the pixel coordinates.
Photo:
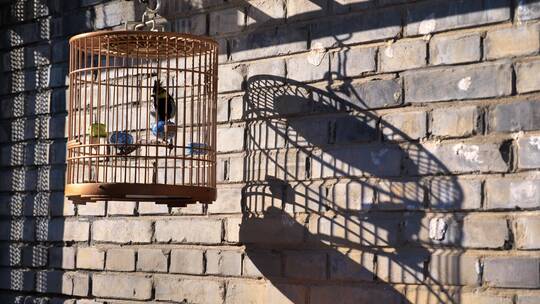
(172, 195)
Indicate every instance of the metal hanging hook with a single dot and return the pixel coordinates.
(148, 18)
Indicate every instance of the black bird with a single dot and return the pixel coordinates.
(161, 99)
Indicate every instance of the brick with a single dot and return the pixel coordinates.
(231, 139)
(190, 290)
(454, 49)
(152, 260)
(304, 9)
(121, 286)
(17, 229)
(231, 78)
(511, 193)
(490, 80)
(227, 20)
(402, 55)
(90, 258)
(314, 66)
(376, 93)
(122, 231)
(377, 26)
(434, 158)
(92, 209)
(353, 195)
(509, 42)
(121, 208)
(34, 256)
(305, 265)
(525, 74)
(146, 208)
(119, 259)
(527, 10)
(277, 230)
(348, 164)
(353, 265)
(454, 268)
(259, 263)
(68, 283)
(352, 62)
(353, 128)
(455, 122)
(400, 194)
(279, 293)
(350, 295)
(451, 193)
(476, 298)
(60, 230)
(16, 279)
(228, 201)
(436, 16)
(480, 232)
(267, 68)
(529, 152)
(526, 232)
(195, 24)
(404, 126)
(232, 229)
(407, 267)
(188, 261)
(189, 230)
(528, 299)
(265, 11)
(62, 257)
(223, 262)
(245, 292)
(512, 272)
(516, 116)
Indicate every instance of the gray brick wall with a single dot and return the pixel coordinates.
(370, 151)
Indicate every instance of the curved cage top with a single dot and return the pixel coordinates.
(142, 44)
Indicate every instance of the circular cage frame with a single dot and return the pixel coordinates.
(132, 147)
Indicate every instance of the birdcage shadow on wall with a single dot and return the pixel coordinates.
(142, 117)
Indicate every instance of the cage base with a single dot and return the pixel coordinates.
(172, 195)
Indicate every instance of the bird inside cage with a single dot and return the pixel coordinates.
(164, 127)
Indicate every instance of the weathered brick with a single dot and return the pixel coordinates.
(227, 20)
(404, 126)
(265, 11)
(68, 283)
(432, 158)
(271, 67)
(375, 93)
(516, 41)
(453, 49)
(454, 268)
(190, 290)
(353, 195)
(228, 201)
(90, 258)
(305, 265)
(402, 55)
(405, 267)
(279, 293)
(68, 230)
(245, 292)
(352, 62)
(259, 263)
(277, 230)
(526, 232)
(93, 209)
(231, 139)
(230, 78)
(351, 265)
(146, 208)
(454, 193)
(516, 116)
(120, 259)
(489, 80)
(153, 260)
(436, 16)
(121, 286)
(350, 295)
(455, 122)
(188, 261)
(510, 193)
(224, 262)
(122, 231)
(304, 9)
(16, 279)
(314, 66)
(188, 230)
(527, 10)
(528, 299)
(34, 256)
(195, 24)
(478, 298)
(529, 152)
(121, 208)
(512, 272)
(232, 229)
(526, 80)
(62, 257)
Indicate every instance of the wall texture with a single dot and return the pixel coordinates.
(371, 151)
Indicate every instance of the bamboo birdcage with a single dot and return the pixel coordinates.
(142, 117)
